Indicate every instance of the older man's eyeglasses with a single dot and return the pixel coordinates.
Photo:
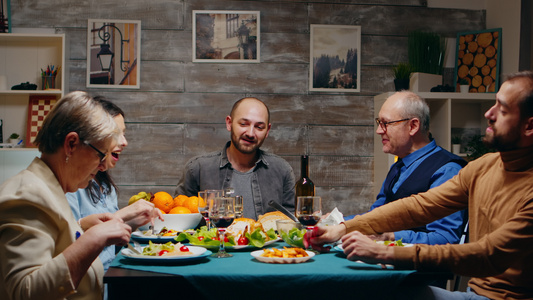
(384, 125)
(102, 155)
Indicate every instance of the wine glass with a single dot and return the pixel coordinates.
(238, 206)
(308, 212)
(222, 214)
(203, 206)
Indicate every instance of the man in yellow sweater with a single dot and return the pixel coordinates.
(497, 190)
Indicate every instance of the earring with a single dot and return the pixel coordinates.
(66, 160)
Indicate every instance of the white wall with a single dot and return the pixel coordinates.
(506, 14)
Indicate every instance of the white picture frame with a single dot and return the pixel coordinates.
(226, 36)
(338, 45)
(123, 39)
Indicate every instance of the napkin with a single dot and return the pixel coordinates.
(335, 217)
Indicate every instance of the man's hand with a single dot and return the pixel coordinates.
(387, 236)
(324, 235)
(358, 246)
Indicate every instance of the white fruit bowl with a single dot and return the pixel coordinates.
(178, 222)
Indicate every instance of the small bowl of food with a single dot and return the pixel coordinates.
(291, 232)
(178, 222)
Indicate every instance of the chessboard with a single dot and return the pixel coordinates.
(39, 106)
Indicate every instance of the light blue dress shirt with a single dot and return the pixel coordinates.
(446, 230)
(82, 205)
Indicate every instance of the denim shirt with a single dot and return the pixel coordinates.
(82, 205)
(272, 178)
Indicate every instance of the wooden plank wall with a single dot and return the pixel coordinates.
(179, 110)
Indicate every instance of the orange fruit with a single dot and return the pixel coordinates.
(179, 210)
(180, 200)
(163, 201)
(192, 204)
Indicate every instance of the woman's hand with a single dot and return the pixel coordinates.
(139, 213)
(358, 246)
(94, 219)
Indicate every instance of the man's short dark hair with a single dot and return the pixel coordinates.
(526, 104)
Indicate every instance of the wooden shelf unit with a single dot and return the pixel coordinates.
(22, 56)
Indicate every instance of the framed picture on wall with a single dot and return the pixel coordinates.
(478, 60)
(226, 36)
(335, 60)
(113, 54)
(5, 16)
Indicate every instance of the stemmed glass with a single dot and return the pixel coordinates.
(308, 212)
(203, 206)
(222, 214)
(238, 206)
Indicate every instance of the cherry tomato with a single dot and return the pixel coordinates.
(226, 239)
(200, 238)
(162, 252)
(184, 249)
(391, 244)
(216, 238)
(243, 241)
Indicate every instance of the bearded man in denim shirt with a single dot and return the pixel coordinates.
(256, 175)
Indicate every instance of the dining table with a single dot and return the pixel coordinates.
(325, 275)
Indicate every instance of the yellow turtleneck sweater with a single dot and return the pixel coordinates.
(497, 189)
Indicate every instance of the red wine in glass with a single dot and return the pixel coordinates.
(222, 222)
(308, 220)
(222, 213)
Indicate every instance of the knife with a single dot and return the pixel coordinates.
(133, 249)
(282, 209)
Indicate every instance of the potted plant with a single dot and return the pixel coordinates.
(402, 71)
(476, 148)
(464, 85)
(14, 138)
(426, 54)
(456, 144)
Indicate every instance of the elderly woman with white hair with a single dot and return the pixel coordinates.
(44, 253)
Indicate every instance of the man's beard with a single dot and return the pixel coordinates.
(503, 142)
(245, 150)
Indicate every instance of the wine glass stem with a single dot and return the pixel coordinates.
(222, 234)
(310, 229)
(207, 223)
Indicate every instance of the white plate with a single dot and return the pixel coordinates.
(239, 247)
(140, 237)
(280, 260)
(197, 253)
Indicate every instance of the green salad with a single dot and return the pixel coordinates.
(295, 237)
(210, 238)
(154, 249)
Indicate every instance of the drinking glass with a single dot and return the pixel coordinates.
(203, 206)
(308, 212)
(222, 214)
(238, 206)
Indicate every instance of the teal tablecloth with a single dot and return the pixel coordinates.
(325, 275)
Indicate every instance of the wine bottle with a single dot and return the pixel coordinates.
(304, 186)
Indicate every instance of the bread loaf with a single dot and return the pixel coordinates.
(269, 219)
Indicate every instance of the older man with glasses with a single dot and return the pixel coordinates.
(403, 125)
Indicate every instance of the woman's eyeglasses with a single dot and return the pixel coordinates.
(102, 155)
